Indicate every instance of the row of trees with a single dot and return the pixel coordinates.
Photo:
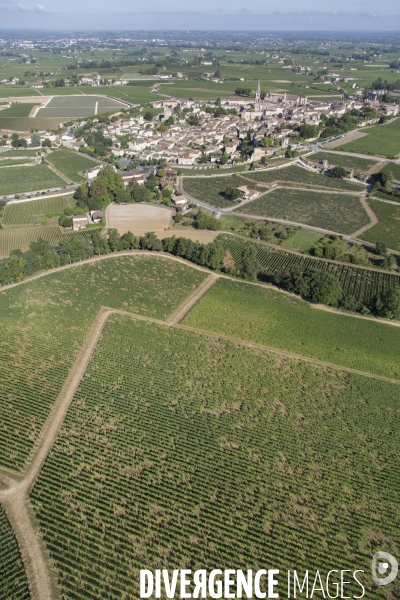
(318, 286)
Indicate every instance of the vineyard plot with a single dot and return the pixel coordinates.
(295, 174)
(179, 450)
(362, 284)
(45, 322)
(25, 213)
(13, 584)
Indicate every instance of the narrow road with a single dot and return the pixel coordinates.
(188, 304)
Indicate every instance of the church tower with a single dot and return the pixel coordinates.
(257, 102)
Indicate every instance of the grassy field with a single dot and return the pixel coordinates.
(214, 463)
(302, 177)
(276, 319)
(301, 240)
(22, 152)
(13, 583)
(9, 162)
(383, 140)
(44, 323)
(392, 167)
(388, 228)
(28, 179)
(336, 212)
(343, 160)
(20, 238)
(27, 213)
(71, 163)
(363, 284)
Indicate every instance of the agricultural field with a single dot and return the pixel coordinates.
(79, 106)
(394, 168)
(22, 109)
(212, 464)
(27, 213)
(71, 163)
(301, 240)
(26, 124)
(12, 162)
(29, 179)
(21, 152)
(383, 140)
(304, 178)
(20, 237)
(13, 583)
(342, 160)
(45, 321)
(211, 189)
(388, 228)
(283, 321)
(361, 283)
(342, 213)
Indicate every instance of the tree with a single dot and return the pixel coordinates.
(129, 241)
(35, 140)
(380, 248)
(228, 263)
(248, 264)
(206, 221)
(43, 250)
(224, 158)
(46, 143)
(65, 221)
(112, 181)
(99, 195)
(148, 116)
(267, 141)
(391, 304)
(325, 288)
(148, 241)
(339, 172)
(114, 240)
(231, 193)
(140, 194)
(99, 243)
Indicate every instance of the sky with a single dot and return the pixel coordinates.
(267, 15)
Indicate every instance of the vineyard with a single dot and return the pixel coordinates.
(36, 178)
(342, 213)
(388, 228)
(283, 321)
(13, 584)
(363, 284)
(20, 238)
(302, 177)
(26, 213)
(182, 451)
(71, 163)
(45, 321)
(211, 189)
(343, 160)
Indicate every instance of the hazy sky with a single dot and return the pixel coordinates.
(208, 14)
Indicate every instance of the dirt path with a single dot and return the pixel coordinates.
(36, 561)
(184, 308)
(365, 317)
(372, 216)
(57, 172)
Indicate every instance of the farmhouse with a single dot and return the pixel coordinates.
(79, 222)
(179, 199)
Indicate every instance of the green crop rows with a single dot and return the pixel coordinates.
(361, 283)
(79, 106)
(211, 189)
(25, 213)
(302, 177)
(44, 323)
(388, 228)
(20, 237)
(278, 320)
(22, 109)
(181, 450)
(71, 163)
(28, 179)
(13, 584)
(341, 213)
(381, 139)
(343, 160)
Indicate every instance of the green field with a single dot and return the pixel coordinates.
(17, 110)
(71, 163)
(44, 323)
(388, 228)
(343, 160)
(303, 177)
(20, 237)
(79, 106)
(219, 461)
(22, 152)
(26, 124)
(10, 162)
(383, 140)
(282, 321)
(28, 179)
(361, 283)
(13, 583)
(211, 189)
(301, 240)
(392, 167)
(27, 213)
(335, 212)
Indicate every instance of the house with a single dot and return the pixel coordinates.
(247, 194)
(79, 222)
(179, 199)
(96, 215)
(92, 174)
